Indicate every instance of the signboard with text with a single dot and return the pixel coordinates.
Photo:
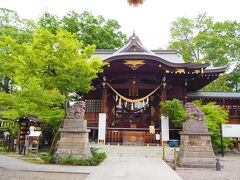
(102, 127)
(165, 128)
(231, 130)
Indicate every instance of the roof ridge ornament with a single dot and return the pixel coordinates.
(134, 35)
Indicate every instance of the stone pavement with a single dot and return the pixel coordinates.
(123, 162)
(134, 168)
(20, 165)
(230, 171)
(133, 162)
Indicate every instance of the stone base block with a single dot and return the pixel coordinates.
(75, 153)
(196, 151)
(77, 147)
(74, 139)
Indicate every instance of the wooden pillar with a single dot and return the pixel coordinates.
(185, 91)
(163, 94)
(104, 100)
(105, 107)
(163, 97)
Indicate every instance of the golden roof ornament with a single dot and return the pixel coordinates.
(135, 3)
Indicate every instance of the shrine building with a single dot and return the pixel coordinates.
(134, 82)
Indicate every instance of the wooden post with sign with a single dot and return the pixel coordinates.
(102, 128)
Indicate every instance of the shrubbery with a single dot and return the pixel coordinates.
(95, 160)
(175, 111)
(215, 116)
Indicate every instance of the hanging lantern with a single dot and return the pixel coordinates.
(116, 98)
(135, 2)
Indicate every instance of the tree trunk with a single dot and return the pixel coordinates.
(57, 134)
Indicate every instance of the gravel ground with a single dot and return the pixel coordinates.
(6, 174)
(230, 171)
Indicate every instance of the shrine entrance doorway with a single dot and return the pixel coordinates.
(137, 116)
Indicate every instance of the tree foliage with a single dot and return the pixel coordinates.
(186, 36)
(11, 25)
(50, 22)
(175, 111)
(47, 105)
(42, 64)
(233, 79)
(90, 29)
(44, 72)
(215, 116)
(53, 61)
(201, 39)
(220, 85)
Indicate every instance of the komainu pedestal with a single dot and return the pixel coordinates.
(196, 146)
(74, 134)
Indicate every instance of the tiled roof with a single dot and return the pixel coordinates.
(135, 47)
(201, 94)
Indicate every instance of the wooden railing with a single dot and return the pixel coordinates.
(114, 137)
(150, 139)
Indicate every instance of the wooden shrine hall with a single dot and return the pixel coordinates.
(134, 82)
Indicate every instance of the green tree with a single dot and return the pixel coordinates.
(215, 116)
(94, 30)
(175, 111)
(14, 26)
(50, 61)
(21, 30)
(202, 40)
(54, 61)
(186, 36)
(221, 85)
(45, 104)
(233, 79)
(50, 22)
(90, 29)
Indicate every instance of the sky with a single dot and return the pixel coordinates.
(150, 21)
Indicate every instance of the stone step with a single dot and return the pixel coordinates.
(136, 151)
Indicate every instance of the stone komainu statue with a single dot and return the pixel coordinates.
(74, 133)
(196, 146)
(193, 112)
(76, 111)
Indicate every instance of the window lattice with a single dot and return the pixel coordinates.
(93, 105)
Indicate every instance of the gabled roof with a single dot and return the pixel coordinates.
(135, 48)
(30, 118)
(134, 45)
